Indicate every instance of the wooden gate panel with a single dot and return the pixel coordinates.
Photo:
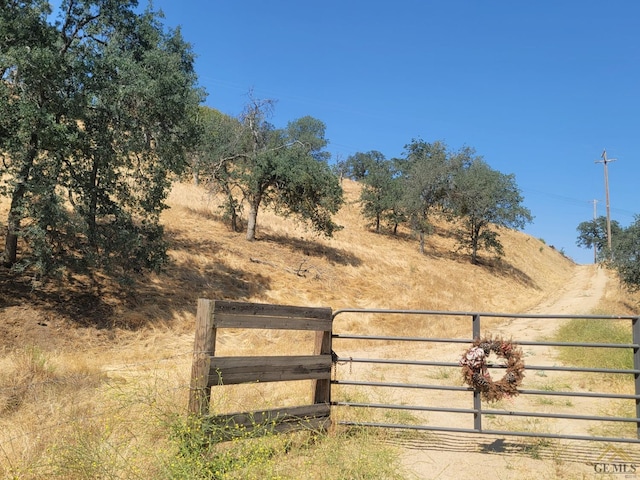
(210, 371)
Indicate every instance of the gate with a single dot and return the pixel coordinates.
(404, 392)
(357, 382)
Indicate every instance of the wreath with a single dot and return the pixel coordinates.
(475, 371)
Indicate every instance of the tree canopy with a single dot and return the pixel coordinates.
(426, 174)
(97, 111)
(624, 256)
(432, 181)
(380, 179)
(483, 198)
(593, 234)
(259, 165)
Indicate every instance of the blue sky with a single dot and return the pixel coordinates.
(539, 89)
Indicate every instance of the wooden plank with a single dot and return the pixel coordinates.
(281, 420)
(314, 424)
(233, 370)
(237, 320)
(275, 415)
(203, 350)
(270, 310)
(229, 431)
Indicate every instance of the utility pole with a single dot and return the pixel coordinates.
(595, 218)
(606, 161)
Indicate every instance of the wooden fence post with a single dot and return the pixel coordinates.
(322, 387)
(203, 350)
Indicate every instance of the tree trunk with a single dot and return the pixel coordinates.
(231, 207)
(92, 214)
(475, 235)
(14, 217)
(474, 254)
(13, 225)
(252, 220)
(11, 241)
(422, 242)
(234, 215)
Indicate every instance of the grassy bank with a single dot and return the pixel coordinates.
(596, 331)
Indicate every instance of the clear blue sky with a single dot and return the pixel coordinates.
(539, 89)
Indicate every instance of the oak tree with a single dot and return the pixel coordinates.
(284, 169)
(483, 199)
(626, 255)
(103, 106)
(378, 194)
(593, 234)
(426, 174)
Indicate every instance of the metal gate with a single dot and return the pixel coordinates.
(411, 390)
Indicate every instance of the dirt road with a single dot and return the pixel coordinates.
(580, 295)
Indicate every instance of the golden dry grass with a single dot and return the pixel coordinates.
(357, 268)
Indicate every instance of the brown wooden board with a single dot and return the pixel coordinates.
(281, 420)
(203, 350)
(264, 309)
(277, 415)
(238, 320)
(321, 392)
(233, 370)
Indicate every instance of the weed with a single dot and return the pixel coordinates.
(441, 373)
(136, 428)
(401, 417)
(553, 387)
(535, 450)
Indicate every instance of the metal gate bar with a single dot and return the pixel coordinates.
(510, 433)
(428, 363)
(344, 336)
(619, 396)
(418, 408)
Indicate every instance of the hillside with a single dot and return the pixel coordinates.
(287, 265)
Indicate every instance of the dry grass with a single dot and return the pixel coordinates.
(357, 268)
(619, 300)
(92, 374)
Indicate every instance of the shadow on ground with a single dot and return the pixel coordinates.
(583, 452)
(314, 249)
